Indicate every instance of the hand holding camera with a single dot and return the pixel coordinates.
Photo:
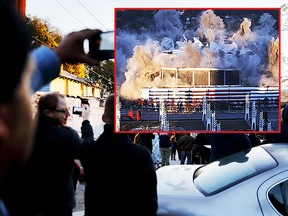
(85, 112)
(101, 46)
(84, 109)
(71, 49)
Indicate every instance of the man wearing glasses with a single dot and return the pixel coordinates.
(49, 170)
(54, 105)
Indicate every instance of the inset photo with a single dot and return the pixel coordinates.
(197, 70)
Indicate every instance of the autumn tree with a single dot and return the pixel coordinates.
(42, 33)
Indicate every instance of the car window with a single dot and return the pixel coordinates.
(232, 169)
(278, 197)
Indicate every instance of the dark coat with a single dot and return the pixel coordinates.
(186, 142)
(164, 141)
(225, 144)
(46, 183)
(146, 140)
(283, 135)
(119, 174)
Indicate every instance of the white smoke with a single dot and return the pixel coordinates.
(254, 52)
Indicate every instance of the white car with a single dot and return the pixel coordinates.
(252, 182)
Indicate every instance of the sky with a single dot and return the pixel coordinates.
(73, 15)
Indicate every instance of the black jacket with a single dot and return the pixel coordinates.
(225, 144)
(45, 184)
(146, 140)
(121, 175)
(164, 141)
(186, 142)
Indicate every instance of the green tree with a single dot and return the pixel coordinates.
(103, 75)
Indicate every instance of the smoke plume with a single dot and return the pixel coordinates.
(208, 43)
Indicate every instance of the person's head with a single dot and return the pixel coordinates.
(201, 139)
(285, 114)
(54, 105)
(108, 115)
(16, 125)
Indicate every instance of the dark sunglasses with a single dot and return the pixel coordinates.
(65, 111)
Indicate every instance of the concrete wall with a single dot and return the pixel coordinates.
(58, 85)
(71, 88)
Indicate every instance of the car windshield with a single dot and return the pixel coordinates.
(230, 170)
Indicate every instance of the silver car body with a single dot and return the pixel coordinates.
(179, 193)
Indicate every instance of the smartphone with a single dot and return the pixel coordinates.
(77, 110)
(101, 46)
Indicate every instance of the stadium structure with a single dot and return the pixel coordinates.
(215, 84)
(218, 95)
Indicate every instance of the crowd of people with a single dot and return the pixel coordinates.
(37, 153)
(18, 134)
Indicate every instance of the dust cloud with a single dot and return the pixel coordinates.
(209, 44)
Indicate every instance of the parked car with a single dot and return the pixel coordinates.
(252, 182)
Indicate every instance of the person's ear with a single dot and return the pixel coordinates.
(5, 125)
(4, 146)
(103, 118)
(4, 133)
(47, 112)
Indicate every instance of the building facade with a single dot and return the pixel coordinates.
(72, 86)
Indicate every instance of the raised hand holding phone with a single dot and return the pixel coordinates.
(101, 46)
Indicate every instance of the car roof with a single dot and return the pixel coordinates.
(263, 158)
(279, 151)
(240, 166)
